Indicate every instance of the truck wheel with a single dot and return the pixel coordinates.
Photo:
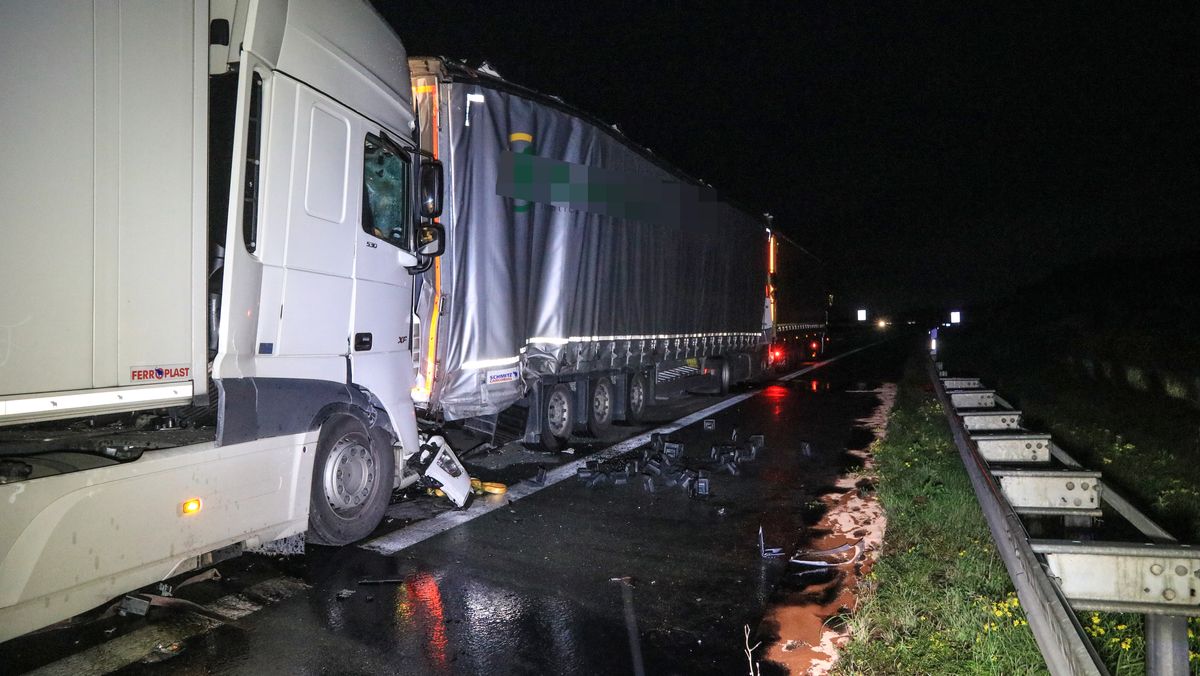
(352, 480)
(725, 376)
(600, 415)
(558, 417)
(638, 399)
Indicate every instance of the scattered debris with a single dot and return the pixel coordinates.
(162, 652)
(764, 550)
(710, 424)
(134, 605)
(829, 557)
(345, 594)
(480, 487)
(540, 478)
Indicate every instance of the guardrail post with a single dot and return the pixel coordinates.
(1166, 645)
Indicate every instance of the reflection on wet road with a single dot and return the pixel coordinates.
(529, 586)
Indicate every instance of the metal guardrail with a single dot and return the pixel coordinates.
(1017, 473)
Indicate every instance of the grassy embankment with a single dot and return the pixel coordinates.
(939, 600)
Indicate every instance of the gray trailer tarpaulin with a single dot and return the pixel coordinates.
(558, 229)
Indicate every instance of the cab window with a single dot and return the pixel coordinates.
(385, 192)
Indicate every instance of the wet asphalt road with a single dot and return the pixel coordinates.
(528, 587)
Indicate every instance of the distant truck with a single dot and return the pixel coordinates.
(212, 213)
(583, 277)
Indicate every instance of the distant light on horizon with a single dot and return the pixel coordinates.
(955, 317)
(862, 315)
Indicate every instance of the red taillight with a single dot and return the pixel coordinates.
(813, 345)
(777, 353)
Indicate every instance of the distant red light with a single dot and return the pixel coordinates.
(813, 345)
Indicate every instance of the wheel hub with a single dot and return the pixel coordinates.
(349, 476)
(636, 397)
(557, 412)
(601, 403)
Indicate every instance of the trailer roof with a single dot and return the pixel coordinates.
(456, 71)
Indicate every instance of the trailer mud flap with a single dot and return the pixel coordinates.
(441, 467)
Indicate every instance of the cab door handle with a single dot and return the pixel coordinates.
(362, 342)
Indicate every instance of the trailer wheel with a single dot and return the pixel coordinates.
(558, 417)
(638, 399)
(725, 376)
(352, 480)
(600, 414)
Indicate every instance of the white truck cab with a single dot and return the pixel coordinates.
(212, 212)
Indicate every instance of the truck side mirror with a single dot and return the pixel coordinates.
(431, 239)
(430, 185)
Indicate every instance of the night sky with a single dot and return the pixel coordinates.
(932, 153)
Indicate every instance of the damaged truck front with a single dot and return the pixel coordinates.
(212, 211)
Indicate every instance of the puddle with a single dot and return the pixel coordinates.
(805, 622)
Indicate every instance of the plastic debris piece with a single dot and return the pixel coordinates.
(494, 487)
(806, 449)
(134, 605)
(672, 450)
(764, 550)
(710, 424)
(163, 651)
(648, 483)
(757, 441)
(540, 477)
(829, 557)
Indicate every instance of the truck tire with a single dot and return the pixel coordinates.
(600, 413)
(638, 399)
(725, 377)
(352, 481)
(558, 417)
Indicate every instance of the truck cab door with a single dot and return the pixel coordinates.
(380, 354)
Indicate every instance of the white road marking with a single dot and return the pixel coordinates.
(132, 647)
(423, 530)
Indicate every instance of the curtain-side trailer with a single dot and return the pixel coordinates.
(584, 277)
(211, 215)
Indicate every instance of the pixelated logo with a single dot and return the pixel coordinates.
(520, 142)
(527, 178)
